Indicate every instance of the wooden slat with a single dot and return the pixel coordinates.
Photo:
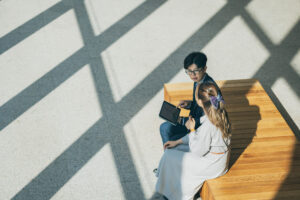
(283, 147)
(206, 194)
(273, 164)
(229, 185)
(265, 153)
(246, 115)
(291, 195)
(261, 124)
(250, 108)
(252, 189)
(262, 132)
(265, 142)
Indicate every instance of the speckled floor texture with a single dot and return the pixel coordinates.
(81, 84)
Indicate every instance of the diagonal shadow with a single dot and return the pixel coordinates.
(169, 67)
(82, 56)
(51, 179)
(164, 72)
(275, 67)
(47, 83)
(107, 102)
(69, 166)
(278, 65)
(33, 25)
(136, 90)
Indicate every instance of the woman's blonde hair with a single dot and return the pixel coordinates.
(214, 106)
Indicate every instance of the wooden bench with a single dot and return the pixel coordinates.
(265, 156)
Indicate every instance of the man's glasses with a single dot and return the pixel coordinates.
(189, 72)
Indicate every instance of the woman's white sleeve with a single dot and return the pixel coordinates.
(185, 139)
(188, 137)
(200, 141)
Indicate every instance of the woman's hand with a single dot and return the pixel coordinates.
(190, 124)
(171, 144)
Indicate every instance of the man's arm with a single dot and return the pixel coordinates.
(186, 104)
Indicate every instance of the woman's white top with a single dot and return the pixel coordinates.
(183, 169)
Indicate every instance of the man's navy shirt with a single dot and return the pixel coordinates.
(197, 111)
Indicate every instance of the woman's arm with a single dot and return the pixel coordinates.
(198, 142)
(190, 124)
(171, 144)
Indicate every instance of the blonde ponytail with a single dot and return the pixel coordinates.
(217, 114)
(225, 125)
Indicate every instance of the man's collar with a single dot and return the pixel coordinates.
(201, 81)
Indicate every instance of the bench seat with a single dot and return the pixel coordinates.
(265, 156)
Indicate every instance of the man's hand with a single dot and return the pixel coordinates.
(190, 124)
(183, 104)
(170, 144)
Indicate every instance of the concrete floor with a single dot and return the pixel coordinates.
(81, 84)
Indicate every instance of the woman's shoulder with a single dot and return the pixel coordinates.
(205, 122)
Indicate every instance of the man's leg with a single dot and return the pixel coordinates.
(170, 132)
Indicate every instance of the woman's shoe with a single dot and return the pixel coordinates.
(155, 171)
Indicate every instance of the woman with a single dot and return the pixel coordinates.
(202, 154)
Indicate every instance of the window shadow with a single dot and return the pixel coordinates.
(59, 172)
(108, 129)
(275, 67)
(244, 116)
(33, 25)
(93, 46)
(289, 188)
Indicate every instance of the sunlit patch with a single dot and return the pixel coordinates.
(181, 76)
(97, 179)
(105, 13)
(275, 17)
(145, 143)
(288, 98)
(295, 63)
(42, 133)
(235, 53)
(135, 55)
(32, 58)
(10, 17)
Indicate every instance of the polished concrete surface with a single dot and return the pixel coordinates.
(81, 84)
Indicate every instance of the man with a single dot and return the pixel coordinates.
(195, 67)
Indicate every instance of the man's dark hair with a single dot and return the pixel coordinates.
(196, 58)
